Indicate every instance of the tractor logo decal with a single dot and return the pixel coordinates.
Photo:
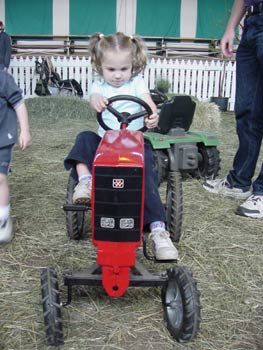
(107, 222)
(118, 183)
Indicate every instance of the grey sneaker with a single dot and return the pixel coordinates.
(252, 207)
(163, 247)
(6, 230)
(221, 186)
(82, 192)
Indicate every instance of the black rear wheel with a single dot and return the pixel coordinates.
(75, 220)
(174, 205)
(208, 162)
(51, 307)
(181, 304)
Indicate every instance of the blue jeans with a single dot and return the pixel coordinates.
(83, 151)
(249, 106)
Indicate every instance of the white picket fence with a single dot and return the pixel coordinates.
(200, 78)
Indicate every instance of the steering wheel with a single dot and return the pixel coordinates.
(158, 96)
(125, 118)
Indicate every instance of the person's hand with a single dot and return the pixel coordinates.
(152, 121)
(24, 139)
(227, 42)
(98, 102)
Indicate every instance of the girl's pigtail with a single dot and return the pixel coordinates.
(93, 41)
(94, 50)
(139, 54)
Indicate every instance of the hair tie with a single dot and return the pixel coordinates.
(101, 35)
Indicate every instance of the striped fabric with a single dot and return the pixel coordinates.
(167, 18)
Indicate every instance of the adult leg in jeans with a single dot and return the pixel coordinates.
(248, 107)
(251, 131)
(249, 114)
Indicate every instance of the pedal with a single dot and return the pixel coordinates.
(76, 207)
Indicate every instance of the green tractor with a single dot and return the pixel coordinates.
(179, 152)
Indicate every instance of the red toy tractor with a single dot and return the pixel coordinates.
(117, 231)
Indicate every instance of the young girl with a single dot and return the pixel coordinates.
(118, 59)
(12, 107)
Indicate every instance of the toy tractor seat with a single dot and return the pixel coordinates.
(176, 113)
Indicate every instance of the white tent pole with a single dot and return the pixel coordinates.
(2, 10)
(60, 17)
(188, 18)
(126, 16)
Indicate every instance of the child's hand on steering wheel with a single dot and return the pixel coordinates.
(152, 121)
(98, 102)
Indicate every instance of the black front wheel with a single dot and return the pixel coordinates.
(51, 307)
(181, 304)
(174, 205)
(75, 220)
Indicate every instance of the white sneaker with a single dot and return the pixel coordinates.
(252, 207)
(6, 230)
(163, 247)
(222, 186)
(82, 192)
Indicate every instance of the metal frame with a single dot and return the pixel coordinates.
(139, 277)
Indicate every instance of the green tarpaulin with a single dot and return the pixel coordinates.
(158, 18)
(89, 16)
(212, 17)
(152, 17)
(30, 17)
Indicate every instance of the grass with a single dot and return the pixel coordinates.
(223, 250)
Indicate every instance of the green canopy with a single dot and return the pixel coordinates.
(158, 18)
(89, 16)
(212, 17)
(28, 17)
